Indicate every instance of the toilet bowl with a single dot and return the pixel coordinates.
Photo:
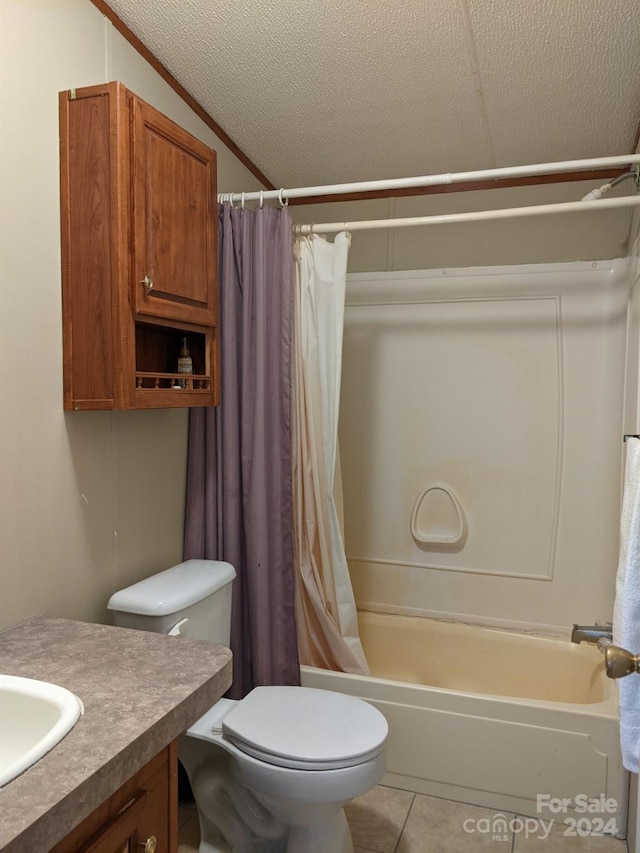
(270, 773)
(302, 753)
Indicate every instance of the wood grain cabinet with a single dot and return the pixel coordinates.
(139, 254)
(141, 817)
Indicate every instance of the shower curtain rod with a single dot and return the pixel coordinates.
(283, 195)
(472, 216)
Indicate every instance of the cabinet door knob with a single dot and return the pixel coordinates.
(149, 845)
(147, 282)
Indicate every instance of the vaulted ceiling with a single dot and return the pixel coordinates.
(323, 92)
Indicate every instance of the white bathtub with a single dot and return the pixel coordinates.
(489, 717)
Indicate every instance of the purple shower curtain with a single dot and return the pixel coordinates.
(239, 501)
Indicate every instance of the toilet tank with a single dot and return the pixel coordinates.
(192, 599)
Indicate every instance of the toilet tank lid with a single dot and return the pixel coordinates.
(173, 589)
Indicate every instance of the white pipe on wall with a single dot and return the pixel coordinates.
(472, 216)
(284, 195)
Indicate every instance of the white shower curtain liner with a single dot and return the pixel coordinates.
(325, 607)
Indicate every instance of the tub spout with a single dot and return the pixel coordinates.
(591, 633)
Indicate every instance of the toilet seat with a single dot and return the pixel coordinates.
(305, 728)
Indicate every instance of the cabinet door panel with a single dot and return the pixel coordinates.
(174, 220)
(120, 835)
(143, 807)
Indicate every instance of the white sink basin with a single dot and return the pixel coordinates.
(34, 717)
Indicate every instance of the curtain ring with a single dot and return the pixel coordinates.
(242, 201)
(261, 199)
(231, 202)
(283, 203)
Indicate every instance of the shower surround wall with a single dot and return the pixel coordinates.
(506, 386)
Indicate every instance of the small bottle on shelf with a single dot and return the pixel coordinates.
(185, 364)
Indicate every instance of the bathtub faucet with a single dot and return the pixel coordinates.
(592, 633)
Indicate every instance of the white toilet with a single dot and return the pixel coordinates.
(269, 773)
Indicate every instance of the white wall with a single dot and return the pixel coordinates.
(504, 384)
(632, 389)
(89, 501)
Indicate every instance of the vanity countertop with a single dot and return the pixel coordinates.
(140, 690)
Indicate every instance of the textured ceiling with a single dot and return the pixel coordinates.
(317, 93)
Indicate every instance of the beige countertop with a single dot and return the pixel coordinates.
(140, 691)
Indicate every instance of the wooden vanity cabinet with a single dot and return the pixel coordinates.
(141, 817)
(139, 254)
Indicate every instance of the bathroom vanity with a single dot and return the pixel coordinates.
(113, 777)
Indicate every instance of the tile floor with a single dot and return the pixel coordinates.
(387, 820)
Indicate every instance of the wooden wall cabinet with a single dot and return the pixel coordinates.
(140, 816)
(139, 255)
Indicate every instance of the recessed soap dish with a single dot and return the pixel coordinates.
(438, 517)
